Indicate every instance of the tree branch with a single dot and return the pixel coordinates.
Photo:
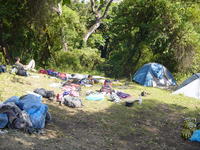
(98, 20)
(58, 9)
(106, 10)
(93, 6)
(102, 5)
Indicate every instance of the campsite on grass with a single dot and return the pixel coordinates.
(99, 74)
(156, 122)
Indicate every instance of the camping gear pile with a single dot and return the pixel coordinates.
(71, 101)
(70, 95)
(74, 78)
(154, 74)
(191, 130)
(106, 90)
(113, 96)
(27, 113)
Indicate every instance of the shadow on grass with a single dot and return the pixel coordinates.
(19, 79)
(150, 126)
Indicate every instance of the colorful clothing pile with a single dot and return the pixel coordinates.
(62, 76)
(70, 89)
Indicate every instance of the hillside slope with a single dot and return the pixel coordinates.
(154, 125)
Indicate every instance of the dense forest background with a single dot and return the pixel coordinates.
(107, 36)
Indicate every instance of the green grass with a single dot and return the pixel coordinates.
(155, 124)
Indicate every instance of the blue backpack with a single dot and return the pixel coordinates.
(2, 68)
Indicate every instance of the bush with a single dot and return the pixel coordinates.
(79, 60)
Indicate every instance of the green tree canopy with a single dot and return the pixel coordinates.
(154, 30)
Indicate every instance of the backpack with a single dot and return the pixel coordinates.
(50, 95)
(115, 98)
(44, 93)
(73, 102)
(2, 68)
(43, 71)
(40, 91)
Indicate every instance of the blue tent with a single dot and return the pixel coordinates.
(154, 74)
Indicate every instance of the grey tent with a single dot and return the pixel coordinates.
(190, 87)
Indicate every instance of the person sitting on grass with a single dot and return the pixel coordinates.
(107, 87)
(30, 66)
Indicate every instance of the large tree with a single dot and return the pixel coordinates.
(156, 30)
(32, 29)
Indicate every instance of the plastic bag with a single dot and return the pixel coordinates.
(195, 136)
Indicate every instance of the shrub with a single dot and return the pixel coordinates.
(78, 60)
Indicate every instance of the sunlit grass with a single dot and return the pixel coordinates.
(108, 123)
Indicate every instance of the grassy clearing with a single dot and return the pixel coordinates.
(98, 125)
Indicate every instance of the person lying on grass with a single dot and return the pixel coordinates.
(30, 66)
(88, 80)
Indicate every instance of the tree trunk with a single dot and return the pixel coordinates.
(5, 53)
(90, 31)
(65, 46)
(3, 46)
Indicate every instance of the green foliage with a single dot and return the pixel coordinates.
(34, 30)
(134, 33)
(79, 60)
(66, 2)
(22, 27)
(96, 40)
(159, 30)
(2, 59)
(72, 27)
